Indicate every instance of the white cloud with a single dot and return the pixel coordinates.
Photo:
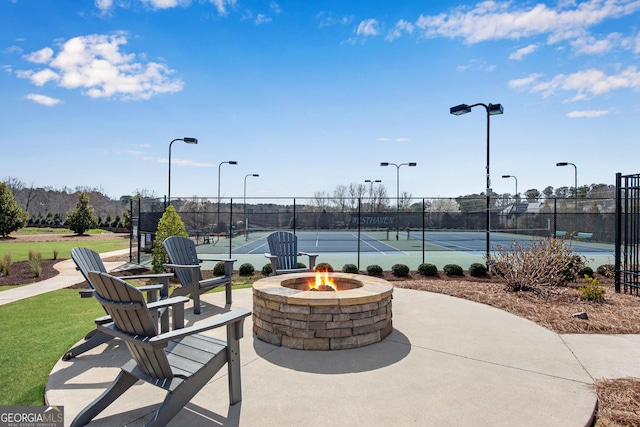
(96, 64)
(368, 27)
(41, 56)
(590, 46)
(166, 4)
(261, 19)
(587, 113)
(42, 99)
(522, 52)
(402, 139)
(401, 26)
(491, 20)
(526, 81)
(327, 20)
(104, 5)
(275, 7)
(222, 5)
(586, 83)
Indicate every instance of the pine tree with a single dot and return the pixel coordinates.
(82, 217)
(12, 217)
(169, 225)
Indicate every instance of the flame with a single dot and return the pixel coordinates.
(323, 282)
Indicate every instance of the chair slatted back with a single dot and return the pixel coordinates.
(284, 245)
(182, 250)
(87, 260)
(130, 314)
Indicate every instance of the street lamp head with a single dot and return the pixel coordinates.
(232, 162)
(413, 164)
(384, 164)
(495, 109)
(255, 174)
(562, 164)
(458, 110)
(506, 176)
(190, 140)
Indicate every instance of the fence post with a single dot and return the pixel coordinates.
(423, 224)
(359, 211)
(618, 228)
(230, 225)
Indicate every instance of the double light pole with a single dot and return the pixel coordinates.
(398, 190)
(492, 110)
(186, 140)
(575, 192)
(371, 181)
(231, 162)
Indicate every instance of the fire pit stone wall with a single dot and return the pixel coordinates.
(322, 320)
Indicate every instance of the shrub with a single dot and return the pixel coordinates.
(55, 254)
(592, 291)
(374, 270)
(324, 266)
(266, 269)
(427, 269)
(246, 269)
(453, 270)
(35, 261)
(350, 268)
(5, 264)
(606, 270)
(12, 217)
(477, 270)
(586, 271)
(82, 217)
(541, 263)
(400, 270)
(218, 269)
(169, 225)
(301, 265)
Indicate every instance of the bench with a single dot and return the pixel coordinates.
(562, 234)
(584, 236)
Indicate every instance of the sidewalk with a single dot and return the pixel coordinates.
(68, 276)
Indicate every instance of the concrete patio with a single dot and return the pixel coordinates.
(448, 362)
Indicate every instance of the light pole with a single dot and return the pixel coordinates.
(371, 189)
(512, 176)
(575, 188)
(244, 205)
(231, 162)
(492, 110)
(188, 141)
(398, 190)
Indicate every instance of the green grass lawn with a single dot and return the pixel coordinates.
(20, 250)
(34, 334)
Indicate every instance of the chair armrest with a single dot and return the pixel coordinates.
(147, 276)
(86, 293)
(163, 339)
(307, 254)
(167, 302)
(271, 256)
(188, 266)
(233, 316)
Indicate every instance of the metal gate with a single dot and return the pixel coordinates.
(627, 244)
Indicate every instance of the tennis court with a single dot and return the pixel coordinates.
(384, 242)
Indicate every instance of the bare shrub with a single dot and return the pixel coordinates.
(35, 261)
(539, 264)
(5, 264)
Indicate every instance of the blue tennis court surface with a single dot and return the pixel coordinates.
(384, 242)
(325, 242)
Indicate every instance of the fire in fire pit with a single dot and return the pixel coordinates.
(329, 311)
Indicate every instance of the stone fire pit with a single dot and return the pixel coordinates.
(286, 313)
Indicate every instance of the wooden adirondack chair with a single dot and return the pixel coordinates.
(186, 264)
(283, 248)
(87, 260)
(180, 362)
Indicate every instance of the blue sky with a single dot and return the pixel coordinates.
(315, 94)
